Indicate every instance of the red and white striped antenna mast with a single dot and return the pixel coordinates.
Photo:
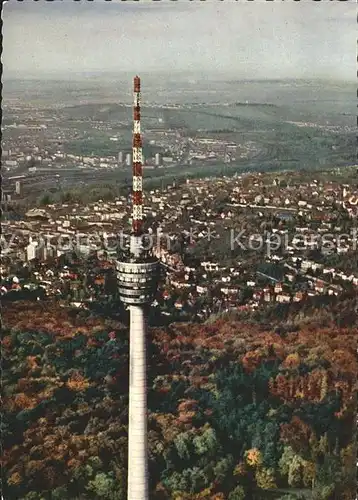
(137, 195)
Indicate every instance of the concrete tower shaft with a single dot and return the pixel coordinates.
(137, 414)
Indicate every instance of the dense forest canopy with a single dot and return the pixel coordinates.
(237, 410)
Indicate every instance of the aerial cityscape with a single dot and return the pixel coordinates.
(179, 272)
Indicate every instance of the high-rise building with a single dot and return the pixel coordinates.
(5, 195)
(157, 160)
(32, 250)
(137, 280)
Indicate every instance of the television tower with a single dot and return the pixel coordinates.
(137, 274)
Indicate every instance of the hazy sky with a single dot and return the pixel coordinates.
(243, 39)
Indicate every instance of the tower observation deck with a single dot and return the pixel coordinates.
(137, 275)
(137, 281)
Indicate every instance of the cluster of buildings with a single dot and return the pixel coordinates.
(45, 146)
(214, 149)
(193, 228)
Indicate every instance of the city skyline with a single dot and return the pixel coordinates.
(241, 40)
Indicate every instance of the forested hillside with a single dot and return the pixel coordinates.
(237, 410)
